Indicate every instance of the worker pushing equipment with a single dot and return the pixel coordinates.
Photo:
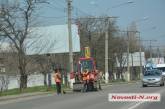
(85, 80)
(86, 76)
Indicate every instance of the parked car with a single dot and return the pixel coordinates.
(153, 77)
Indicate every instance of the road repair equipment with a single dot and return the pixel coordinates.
(86, 76)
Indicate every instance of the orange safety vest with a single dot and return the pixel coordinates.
(84, 75)
(88, 78)
(57, 77)
(91, 76)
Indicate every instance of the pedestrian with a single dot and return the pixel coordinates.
(99, 77)
(57, 78)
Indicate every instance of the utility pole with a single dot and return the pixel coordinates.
(158, 47)
(150, 51)
(70, 35)
(140, 51)
(106, 52)
(106, 49)
(158, 52)
(49, 72)
(128, 66)
(151, 48)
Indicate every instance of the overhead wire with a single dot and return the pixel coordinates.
(55, 7)
(60, 2)
(57, 17)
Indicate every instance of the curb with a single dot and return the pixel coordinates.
(11, 97)
(115, 83)
(24, 95)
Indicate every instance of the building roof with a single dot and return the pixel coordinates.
(52, 39)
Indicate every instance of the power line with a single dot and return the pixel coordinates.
(62, 4)
(82, 12)
(57, 17)
(61, 1)
(57, 8)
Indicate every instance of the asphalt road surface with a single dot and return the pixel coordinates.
(90, 100)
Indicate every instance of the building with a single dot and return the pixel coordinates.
(52, 39)
(134, 59)
(134, 65)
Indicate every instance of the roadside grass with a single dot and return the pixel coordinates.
(17, 91)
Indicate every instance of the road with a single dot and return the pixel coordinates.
(91, 100)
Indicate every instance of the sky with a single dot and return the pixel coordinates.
(148, 15)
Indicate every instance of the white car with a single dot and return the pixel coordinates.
(162, 68)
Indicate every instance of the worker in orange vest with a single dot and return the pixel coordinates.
(85, 80)
(92, 76)
(57, 78)
(91, 80)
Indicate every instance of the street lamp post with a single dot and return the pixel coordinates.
(140, 50)
(49, 71)
(106, 53)
(106, 42)
(128, 51)
(70, 35)
(128, 66)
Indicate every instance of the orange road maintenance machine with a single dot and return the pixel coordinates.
(85, 63)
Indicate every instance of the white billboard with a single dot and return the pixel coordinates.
(134, 59)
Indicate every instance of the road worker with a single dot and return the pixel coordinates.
(91, 80)
(57, 78)
(85, 80)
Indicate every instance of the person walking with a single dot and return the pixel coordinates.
(57, 78)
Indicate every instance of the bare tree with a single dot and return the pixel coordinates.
(120, 55)
(15, 23)
(92, 34)
(4, 81)
(42, 66)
